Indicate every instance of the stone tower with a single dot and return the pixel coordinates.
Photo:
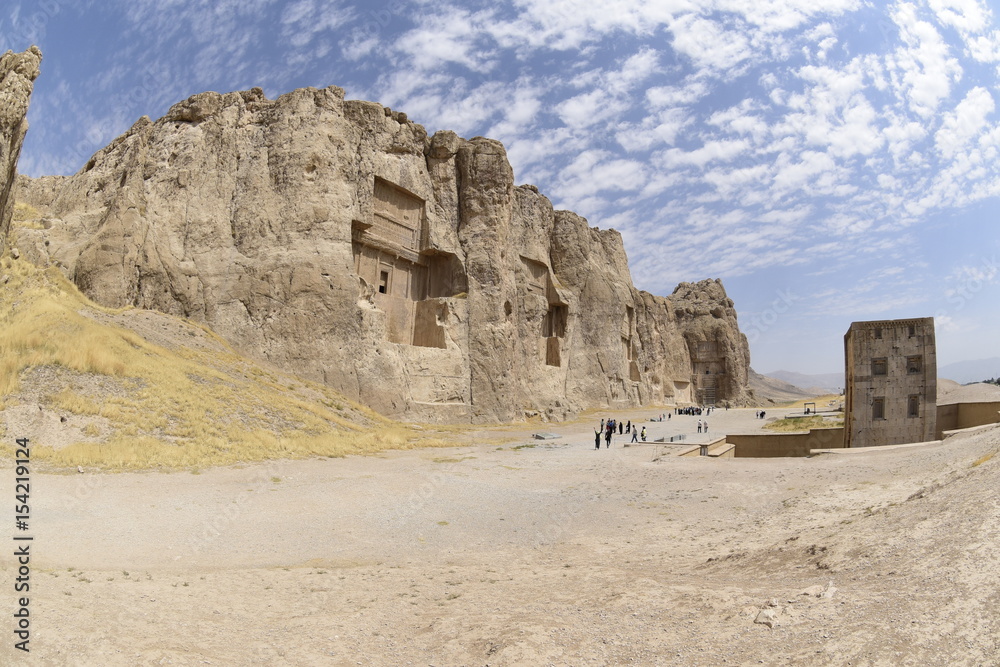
(891, 394)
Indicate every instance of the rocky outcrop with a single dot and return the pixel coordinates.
(18, 72)
(336, 239)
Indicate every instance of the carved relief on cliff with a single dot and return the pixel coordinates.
(407, 280)
(407, 271)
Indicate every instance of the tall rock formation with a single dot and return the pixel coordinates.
(336, 239)
(18, 72)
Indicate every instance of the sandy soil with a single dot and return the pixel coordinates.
(951, 392)
(552, 554)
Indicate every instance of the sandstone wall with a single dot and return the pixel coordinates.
(766, 445)
(336, 239)
(18, 72)
(956, 416)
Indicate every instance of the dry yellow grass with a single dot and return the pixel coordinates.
(173, 408)
(802, 424)
(23, 212)
(823, 403)
(983, 459)
(145, 451)
(40, 325)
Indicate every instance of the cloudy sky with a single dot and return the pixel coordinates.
(830, 160)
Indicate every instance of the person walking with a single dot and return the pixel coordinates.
(644, 434)
(607, 439)
(621, 428)
(597, 439)
(699, 426)
(635, 434)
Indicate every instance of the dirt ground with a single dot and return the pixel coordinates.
(533, 552)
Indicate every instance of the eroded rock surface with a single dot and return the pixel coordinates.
(338, 240)
(18, 72)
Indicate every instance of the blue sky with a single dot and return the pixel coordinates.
(830, 160)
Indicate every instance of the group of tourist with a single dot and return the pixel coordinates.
(760, 414)
(610, 426)
(693, 411)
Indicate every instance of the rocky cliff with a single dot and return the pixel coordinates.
(18, 72)
(338, 240)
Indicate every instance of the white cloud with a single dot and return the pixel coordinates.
(902, 134)
(789, 217)
(969, 279)
(521, 111)
(923, 68)
(636, 69)
(833, 112)
(661, 182)
(359, 45)
(811, 168)
(967, 16)
(665, 97)
(594, 171)
(973, 20)
(446, 37)
(709, 45)
(986, 48)
(571, 24)
(421, 96)
(303, 20)
(587, 109)
(845, 224)
(653, 131)
(784, 15)
(610, 94)
(966, 122)
(711, 151)
(536, 157)
(858, 134)
(730, 182)
(742, 119)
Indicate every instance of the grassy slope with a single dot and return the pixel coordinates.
(174, 406)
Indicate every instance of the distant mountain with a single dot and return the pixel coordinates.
(962, 372)
(822, 383)
(975, 370)
(770, 391)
